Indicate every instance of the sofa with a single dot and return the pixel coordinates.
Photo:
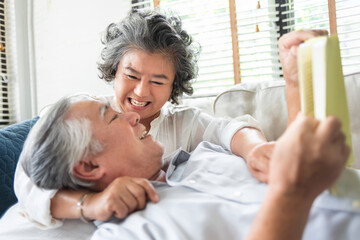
(11, 142)
(263, 100)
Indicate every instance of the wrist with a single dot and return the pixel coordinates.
(81, 208)
(291, 195)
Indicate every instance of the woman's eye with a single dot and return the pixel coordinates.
(158, 83)
(132, 77)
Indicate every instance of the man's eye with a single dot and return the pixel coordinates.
(114, 117)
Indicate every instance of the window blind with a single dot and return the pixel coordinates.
(348, 28)
(141, 4)
(6, 93)
(258, 35)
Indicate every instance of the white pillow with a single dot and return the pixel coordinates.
(352, 83)
(265, 101)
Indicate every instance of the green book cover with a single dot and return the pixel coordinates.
(321, 82)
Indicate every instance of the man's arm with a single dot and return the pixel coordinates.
(249, 142)
(306, 160)
(288, 46)
(280, 217)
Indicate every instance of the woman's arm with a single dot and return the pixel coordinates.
(251, 144)
(122, 197)
(239, 135)
(48, 207)
(64, 204)
(34, 202)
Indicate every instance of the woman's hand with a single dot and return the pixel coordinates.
(122, 197)
(258, 160)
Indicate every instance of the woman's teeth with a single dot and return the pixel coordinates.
(137, 104)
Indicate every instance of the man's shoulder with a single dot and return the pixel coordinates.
(206, 149)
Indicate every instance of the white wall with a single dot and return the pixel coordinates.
(67, 46)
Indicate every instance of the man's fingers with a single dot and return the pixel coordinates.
(297, 37)
(321, 32)
(346, 153)
(330, 129)
(304, 123)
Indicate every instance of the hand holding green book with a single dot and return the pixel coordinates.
(321, 80)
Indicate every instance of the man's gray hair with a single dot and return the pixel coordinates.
(55, 144)
(153, 32)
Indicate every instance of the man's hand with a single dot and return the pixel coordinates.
(258, 160)
(288, 45)
(308, 157)
(306, 160)
(122, 197)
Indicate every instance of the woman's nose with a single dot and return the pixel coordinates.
(141, 89)
(132, 117)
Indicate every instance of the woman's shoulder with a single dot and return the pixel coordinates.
(171, 109)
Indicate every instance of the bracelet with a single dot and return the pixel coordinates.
(80, 208)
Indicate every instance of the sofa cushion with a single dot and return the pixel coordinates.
(352, 84)
(12, 139)
(266, 102)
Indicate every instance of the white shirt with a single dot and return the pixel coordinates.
(176, 127)
(212, 195)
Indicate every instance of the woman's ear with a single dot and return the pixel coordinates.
(87, 170)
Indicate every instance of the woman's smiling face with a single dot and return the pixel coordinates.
(143, 83)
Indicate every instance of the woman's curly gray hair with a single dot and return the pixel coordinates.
(153, 32)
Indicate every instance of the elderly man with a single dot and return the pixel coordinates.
(208, 194)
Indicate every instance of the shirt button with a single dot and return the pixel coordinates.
(192, 181)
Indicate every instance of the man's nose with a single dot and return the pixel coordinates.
(142, 89)
(132, 117)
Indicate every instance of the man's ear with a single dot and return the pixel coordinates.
(87, 170)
